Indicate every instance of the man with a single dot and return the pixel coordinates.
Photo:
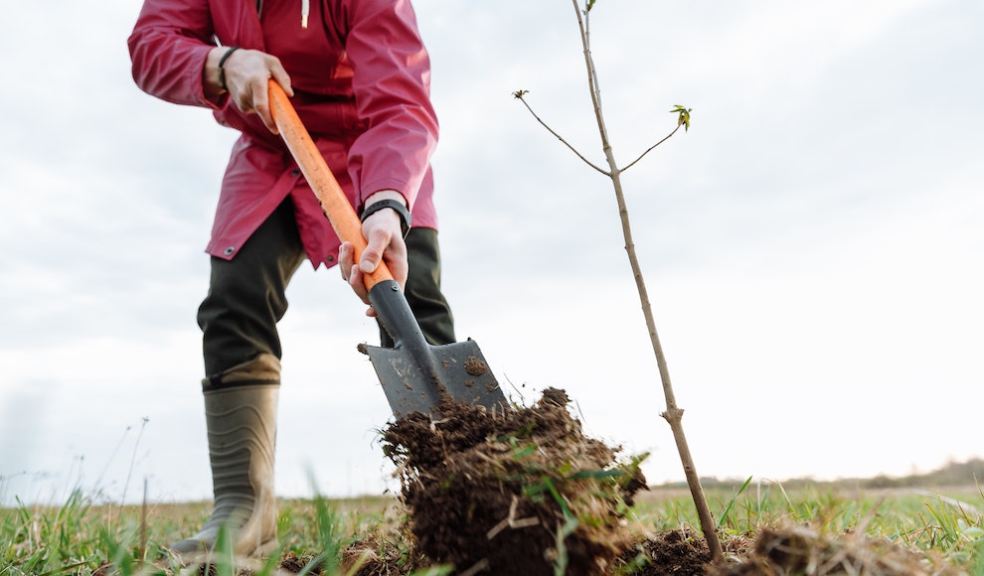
(358, 75)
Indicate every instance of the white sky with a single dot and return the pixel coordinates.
(812, 247)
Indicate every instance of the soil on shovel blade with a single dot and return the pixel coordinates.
(517, 492)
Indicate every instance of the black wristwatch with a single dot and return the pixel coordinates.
(406, 219)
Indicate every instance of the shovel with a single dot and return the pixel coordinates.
(415, 375)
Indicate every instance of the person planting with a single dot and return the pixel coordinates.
(358, 75)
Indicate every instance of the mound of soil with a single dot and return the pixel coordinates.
(676, 553)
(515, 492)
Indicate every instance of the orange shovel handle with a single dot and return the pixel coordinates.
(312, 164)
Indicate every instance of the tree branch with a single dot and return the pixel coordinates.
(519, 95)
(650, 149)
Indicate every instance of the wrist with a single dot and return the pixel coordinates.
(397, 206)
(210, 75)
(385, 195)
(214, 74)
(222, 70)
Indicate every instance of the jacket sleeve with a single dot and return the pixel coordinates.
(168, 48)
(391, 82)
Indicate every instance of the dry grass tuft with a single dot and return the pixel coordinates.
(800, 550)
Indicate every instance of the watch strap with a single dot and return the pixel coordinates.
(406, 219)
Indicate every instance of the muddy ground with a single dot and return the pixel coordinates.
(779, 551)
(525, 492)
(517, 491)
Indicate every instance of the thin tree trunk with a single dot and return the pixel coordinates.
(673, 414)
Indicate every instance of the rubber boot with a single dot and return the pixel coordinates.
(241, 413)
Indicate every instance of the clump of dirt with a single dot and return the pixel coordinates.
(295, 564)
(676, 553)
(520, 491)
(383, 554)
(802, 550)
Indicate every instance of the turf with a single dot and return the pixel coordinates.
(77, 537)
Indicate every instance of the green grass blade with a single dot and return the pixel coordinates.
(272, 562)
(330, 536)
(560, 564)
(223, 554)
(731, 503)
(434, 571)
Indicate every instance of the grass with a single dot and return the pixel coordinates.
(78, 538)
(949, 523)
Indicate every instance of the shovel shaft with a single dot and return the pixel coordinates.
(312, 164)
(414, 375)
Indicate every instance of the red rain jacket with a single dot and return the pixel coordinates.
(361, 79)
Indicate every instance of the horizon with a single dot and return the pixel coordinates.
(99, 498)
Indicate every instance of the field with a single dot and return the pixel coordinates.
(79, 538)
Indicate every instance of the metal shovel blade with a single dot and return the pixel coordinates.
(414, 374)
(461, 372)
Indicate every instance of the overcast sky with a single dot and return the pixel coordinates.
(813, 246)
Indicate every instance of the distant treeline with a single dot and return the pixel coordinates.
(967, 473)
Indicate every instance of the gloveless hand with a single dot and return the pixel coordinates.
(385, 243)
(246, 77)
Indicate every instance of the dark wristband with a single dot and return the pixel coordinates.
(406, 219)
(222, 61)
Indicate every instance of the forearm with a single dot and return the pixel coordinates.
(391, 72)
(168, 48)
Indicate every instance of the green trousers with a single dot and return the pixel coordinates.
(246, 295)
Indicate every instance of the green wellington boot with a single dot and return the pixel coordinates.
(241, 423)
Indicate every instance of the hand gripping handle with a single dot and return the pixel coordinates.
(312, 164)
